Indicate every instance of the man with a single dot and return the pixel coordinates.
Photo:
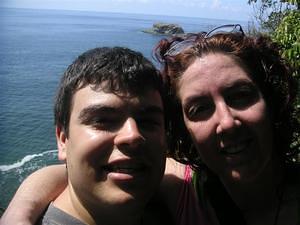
(110, 131)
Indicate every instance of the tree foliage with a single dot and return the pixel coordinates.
(269, 13)
(281, 19)
(287, 34)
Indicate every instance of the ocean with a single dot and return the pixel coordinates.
(35, 48)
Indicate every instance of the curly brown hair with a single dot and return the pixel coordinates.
(260, 57)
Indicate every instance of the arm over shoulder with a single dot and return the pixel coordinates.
(180, 196)
(34, 194)
(172, 183)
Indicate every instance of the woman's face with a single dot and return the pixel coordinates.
(226, 116)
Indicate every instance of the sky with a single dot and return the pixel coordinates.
(218, 9)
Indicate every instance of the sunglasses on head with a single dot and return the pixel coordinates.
(189, 41)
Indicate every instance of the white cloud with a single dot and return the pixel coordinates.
(216, 4)
(124, 1)
(130, 1)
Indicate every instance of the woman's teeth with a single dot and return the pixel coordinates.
(234, 149)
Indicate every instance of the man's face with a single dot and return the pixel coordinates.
(115, 148)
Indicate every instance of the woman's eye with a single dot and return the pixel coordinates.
(242, 98)
(199, 111)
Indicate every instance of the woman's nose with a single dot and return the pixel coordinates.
(129, 134)
(226, 119)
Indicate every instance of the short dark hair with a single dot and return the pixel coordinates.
(112, 69)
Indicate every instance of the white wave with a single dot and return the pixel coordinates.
(26, 159)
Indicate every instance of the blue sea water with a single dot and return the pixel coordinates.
(35, 48)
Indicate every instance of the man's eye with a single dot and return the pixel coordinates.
(105, 123)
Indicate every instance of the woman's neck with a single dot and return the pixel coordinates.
(260, 193)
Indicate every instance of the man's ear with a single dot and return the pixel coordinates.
(61, 139)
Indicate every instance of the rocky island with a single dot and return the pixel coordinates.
(165, 29)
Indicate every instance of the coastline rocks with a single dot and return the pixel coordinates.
(165, 29)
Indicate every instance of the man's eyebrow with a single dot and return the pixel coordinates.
(96, 109)
(104, 109)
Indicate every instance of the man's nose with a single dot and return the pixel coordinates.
(129, 134)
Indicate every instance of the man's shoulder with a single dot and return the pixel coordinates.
(55, 216)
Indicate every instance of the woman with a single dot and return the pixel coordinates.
(234, 95)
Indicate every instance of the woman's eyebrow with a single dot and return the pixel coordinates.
(240, 85)
(195, 98)
(240, 82)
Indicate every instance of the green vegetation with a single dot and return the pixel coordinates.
(281, 20)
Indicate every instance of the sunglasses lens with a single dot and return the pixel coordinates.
(178, 47)
(234, 28)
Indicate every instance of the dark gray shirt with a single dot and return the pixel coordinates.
(55, 216)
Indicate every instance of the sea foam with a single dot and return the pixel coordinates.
(26, 159)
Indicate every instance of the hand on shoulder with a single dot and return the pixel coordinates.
(174, 168)
(172, 183)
